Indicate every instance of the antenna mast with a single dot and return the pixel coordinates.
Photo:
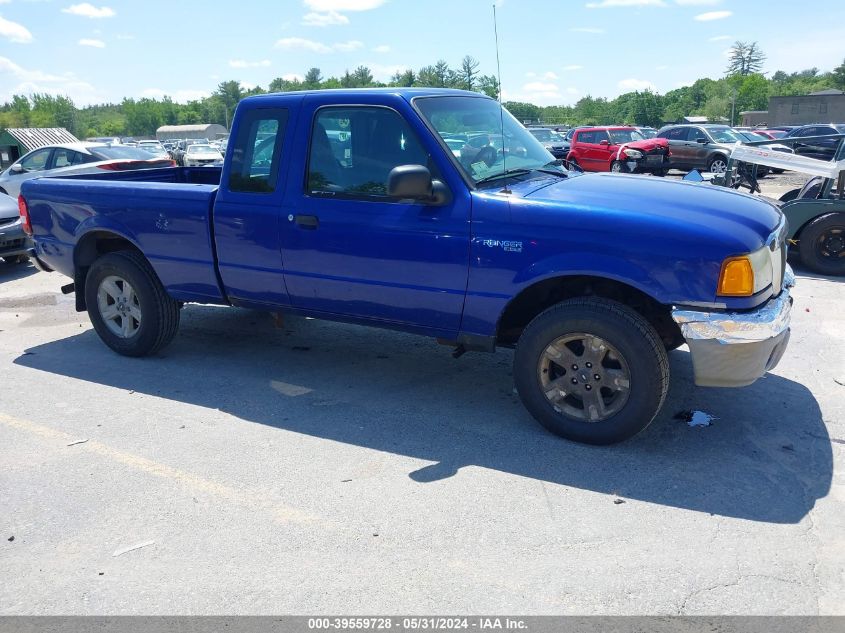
(499, 91)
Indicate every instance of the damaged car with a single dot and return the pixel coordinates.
(620, 150)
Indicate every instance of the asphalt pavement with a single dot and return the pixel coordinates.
(256, 467)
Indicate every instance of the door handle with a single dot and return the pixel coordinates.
(309, 222)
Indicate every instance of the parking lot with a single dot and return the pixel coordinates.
(263, 467)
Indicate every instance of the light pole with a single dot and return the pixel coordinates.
(733, 105)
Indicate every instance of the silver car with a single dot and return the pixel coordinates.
(13, 241)
(76, 158)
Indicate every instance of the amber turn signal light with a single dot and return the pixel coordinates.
(736, 278)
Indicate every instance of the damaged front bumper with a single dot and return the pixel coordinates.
(733, 349)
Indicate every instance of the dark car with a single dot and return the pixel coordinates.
(551, 140)
(822, 148)
(13, 241)
(705, 146)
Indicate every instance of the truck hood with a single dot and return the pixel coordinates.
(738, 219)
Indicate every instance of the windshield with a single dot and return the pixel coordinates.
(648, 132)
(617, 137)
(754, 136)
(202, 149)
(544, 136)
(725, 135)
(487, 152)
(109, 152)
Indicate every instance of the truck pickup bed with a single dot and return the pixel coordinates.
(432, 211)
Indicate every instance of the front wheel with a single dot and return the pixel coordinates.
(822, 244)
(618, 167)
(591, 370)
(128, 306)
(718, 165)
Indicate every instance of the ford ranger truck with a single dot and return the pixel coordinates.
(349, 205)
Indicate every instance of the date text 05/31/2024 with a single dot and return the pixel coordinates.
(417, 623)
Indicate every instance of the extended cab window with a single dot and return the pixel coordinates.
(354, 149)
(257, 151)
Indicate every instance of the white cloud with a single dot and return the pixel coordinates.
(607, 4)
(14, 79)
(324, 6)
(540, 86)
(292, 43)
(92, 43)
(241, 63)
(572, 67)
(15, 32)
(383, 72)
(383, 48)
(630, 85)
(720, 38)
(87, 10)
(713, 15)
(549, 75)
(293, 77)
(587, 29)
(331, 18)
(348, 47)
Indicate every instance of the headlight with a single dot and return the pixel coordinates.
(745, 275)
(633, 154)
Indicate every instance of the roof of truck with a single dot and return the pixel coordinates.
(407, 93)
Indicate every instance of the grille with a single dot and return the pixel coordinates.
(11, 244)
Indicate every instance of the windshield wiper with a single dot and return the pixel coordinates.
(504, 174)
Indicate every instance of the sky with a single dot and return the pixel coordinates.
(552, 51)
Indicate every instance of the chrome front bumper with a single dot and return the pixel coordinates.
(733, 349)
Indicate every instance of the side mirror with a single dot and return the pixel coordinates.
(604, 142)
(409, 181)
(702, 141)
(17, 168)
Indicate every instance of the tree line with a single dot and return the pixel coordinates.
(742, 88)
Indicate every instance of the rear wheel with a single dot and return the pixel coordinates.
(591, 370)
(822, 244)
(128, 306)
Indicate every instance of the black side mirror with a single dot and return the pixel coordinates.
(702, 141)
(410, 182)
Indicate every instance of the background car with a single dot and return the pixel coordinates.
(178, 153)
(75, 158)
(647, 132)
(772, 134)
(618, 149)
(551, 140)
(821, 149)
(704, 146)
(198, 155)
(13, 241)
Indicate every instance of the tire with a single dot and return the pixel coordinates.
(634, 358)
(659, 172)
(717, 164)
(151, 314)
(822, 244)
(778, 171)
(618, 167)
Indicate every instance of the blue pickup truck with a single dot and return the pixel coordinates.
(351, 205)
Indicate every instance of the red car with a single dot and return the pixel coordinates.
(772, 134)
(618, 149)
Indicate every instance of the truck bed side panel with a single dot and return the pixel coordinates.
(168, 222)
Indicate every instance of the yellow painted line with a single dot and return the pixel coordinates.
(225, 492)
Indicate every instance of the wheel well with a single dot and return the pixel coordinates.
(535, 299)
(92, 246)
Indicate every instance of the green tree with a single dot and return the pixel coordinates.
(489, 85)
(745, 58)
(313, 79)
(838, 76)
(468, 73)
